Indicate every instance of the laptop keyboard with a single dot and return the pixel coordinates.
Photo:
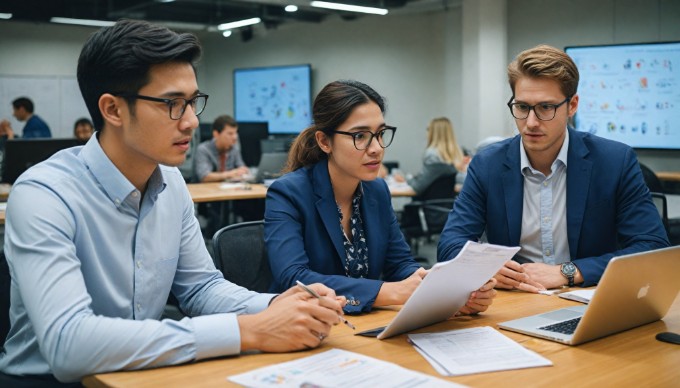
(565, 327)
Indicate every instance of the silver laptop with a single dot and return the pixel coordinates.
(634, 290)
(270, 167)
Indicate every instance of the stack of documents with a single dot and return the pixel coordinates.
(337, 368)
(474, 350)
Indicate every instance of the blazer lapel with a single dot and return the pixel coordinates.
(578, 183)
(513, 192)
(326, 206)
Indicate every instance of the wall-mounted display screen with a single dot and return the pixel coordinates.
(630, 93)
(280, 96)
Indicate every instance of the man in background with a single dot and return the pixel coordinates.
(219, 158)
(23, 111)
(83, 129)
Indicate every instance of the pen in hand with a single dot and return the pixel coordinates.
(317, 296)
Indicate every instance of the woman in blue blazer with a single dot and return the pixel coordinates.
(329, 220)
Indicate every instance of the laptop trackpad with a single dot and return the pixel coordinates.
(561, 315)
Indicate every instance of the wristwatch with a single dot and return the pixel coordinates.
(568, 270)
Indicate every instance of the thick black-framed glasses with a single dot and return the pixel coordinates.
(363, 139)
(543, 111)
(176, 106)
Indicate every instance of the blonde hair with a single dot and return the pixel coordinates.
(545, 61)
(440, 136)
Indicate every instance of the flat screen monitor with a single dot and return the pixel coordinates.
(250, 134)
(280, 96)
(21, 154)
(630, 93)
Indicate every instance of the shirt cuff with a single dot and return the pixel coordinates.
(216, 335)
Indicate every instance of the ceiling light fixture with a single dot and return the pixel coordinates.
(5, 15)
(237, 24)
(291, 8)
(226, 33)
(347, 7)
(83, 22)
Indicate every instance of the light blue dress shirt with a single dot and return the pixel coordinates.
(92, 265)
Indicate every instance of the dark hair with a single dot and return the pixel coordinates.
(117, 59)
(545, 61)
(222, 121)
(332, 106)
(24, 102)
(82, 121)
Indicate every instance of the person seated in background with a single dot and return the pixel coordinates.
(23, 111)
(98, 236)
(443, 156)
(219, 158)
(83, 129)
(330, 220)
(569, 199)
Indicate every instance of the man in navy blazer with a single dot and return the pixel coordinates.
(569, 199)
(303, 253)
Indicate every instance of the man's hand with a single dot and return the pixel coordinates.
(481, 299)
(514, 276)
(394, 293)
(294, 320)
(549, 275)
(6, 129)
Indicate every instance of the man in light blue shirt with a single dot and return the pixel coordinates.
(99, 235)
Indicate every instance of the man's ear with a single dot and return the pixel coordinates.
(110, 108)
(323, 141)
(573, 105)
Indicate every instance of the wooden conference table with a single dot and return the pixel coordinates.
(630, 358)
(669, 175)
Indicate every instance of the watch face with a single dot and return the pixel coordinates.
(568, 269)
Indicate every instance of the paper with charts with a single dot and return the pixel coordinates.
(337, 368)
(474, 350)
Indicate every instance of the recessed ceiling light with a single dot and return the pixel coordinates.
(291, 8)
(226, 33)
(237, 24)
(347, 7)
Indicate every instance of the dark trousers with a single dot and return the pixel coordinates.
(34, 381)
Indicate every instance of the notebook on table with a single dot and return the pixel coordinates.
(634, 290)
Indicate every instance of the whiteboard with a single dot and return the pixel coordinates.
(57, 100)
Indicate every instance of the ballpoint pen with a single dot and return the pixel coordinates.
(317, 296)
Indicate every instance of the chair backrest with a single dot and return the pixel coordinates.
(240, 253)
(441, 188)
(661, 204)
(652, 181)
(390, 165)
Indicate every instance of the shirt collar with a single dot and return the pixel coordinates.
(116, 186)
(561, 156)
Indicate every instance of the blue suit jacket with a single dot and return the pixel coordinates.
(305, 242)
(609, 209)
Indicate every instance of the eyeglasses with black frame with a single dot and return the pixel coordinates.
(363, 139)
(542, 110)
(176, 106)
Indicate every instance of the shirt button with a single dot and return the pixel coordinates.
(547, 252)
(117, 201)
(139, 307)
(545, 184)
(546, 219)
(139, 264)
(135, 194)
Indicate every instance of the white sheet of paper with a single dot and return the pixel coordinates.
(474, 350)
(448, 285)
(337, 368)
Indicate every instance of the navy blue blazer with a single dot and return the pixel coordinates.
(609, 209)
(305, 242)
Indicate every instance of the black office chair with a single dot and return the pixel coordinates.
(426, 215)
(240, 253)
(661, 203)
(390, 165)
(652, 181)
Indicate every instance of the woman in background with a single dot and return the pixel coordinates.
(443, 156)
(329, 220)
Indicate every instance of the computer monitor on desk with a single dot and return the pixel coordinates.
(20, 154)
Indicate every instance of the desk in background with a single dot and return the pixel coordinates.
(669, 175)
(213, 191)
(633, 357)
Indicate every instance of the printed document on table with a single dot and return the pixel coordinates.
(474, 350)
(337, 368)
